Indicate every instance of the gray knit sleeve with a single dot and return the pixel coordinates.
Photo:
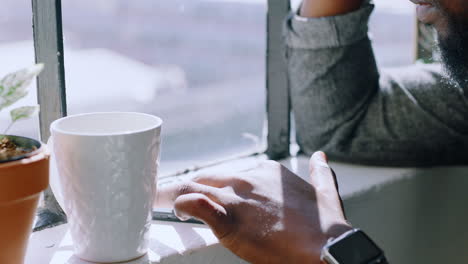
(344, 106)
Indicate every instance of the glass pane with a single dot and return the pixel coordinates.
(393, 32)
(17, 52)
(198, 64)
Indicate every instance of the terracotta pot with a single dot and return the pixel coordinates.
(21, 183)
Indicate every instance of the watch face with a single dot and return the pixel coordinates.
(357, 248)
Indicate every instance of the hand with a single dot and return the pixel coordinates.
(267, 214)
(322, 8)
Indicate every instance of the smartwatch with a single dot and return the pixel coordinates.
(352, 247)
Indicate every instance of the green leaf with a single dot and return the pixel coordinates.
(23, 112)
(14, 86)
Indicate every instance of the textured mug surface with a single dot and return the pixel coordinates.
(107, 164)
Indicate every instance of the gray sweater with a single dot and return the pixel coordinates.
(346, 107)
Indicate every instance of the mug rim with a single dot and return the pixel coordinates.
(54, 125)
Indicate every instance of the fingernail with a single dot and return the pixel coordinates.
(319, 156)
(320, 159)
(182, 217)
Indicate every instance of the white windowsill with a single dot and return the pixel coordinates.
(169, 243)
(193, 243)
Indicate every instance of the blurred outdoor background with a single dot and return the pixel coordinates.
(198, 64)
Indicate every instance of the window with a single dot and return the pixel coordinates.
(194, 63)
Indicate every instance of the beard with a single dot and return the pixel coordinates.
(454, 50)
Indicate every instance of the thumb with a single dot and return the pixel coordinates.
(199, 206)
(323, 178)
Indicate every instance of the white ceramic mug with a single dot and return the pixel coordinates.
(107, 165)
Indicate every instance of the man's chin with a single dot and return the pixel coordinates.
(456, 67)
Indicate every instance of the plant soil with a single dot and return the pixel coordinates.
(9, 149)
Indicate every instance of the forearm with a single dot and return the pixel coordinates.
(344, 106)
(405, 117)
(412, 118)
(323, 8)
(331, 90)
(332, 72)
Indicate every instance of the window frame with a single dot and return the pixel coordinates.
(48, 47)
(277, 83)
(51, 86)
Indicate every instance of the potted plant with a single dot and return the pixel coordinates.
(24, 170)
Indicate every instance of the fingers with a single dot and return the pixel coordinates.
(166, 195)
(321, 175)
(323, 178)
(215, 180)
(203, 208)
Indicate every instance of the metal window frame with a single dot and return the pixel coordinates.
(48, 46)
(277, 83)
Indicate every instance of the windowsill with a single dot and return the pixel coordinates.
(193, 243)
(169, 243)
